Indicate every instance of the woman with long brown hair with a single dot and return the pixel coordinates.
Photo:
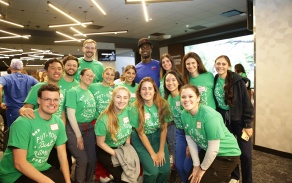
(234, 104)
(150, 114)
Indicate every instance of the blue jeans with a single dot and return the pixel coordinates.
(171, 133)
(11, 115)
(183, 164)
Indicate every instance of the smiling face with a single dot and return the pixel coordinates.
(166, 64)
(121, 100)
(171, 83)
(89, 51)
(108, 76)
(71, 67)
(190, 100)
(145, 51)
(87, 77)
(54, 72)
(192, 66)
(48, 103)
(130, 75)
(147, 92)
(222, 66)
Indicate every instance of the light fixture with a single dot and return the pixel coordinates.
(145, 10)
(14, 35)
(12, 23)
(98, 6)
(9, 51)
(152, 1)
(5, 3)
(65, 35)
(77, 31)
(101, 33)
(68, 25)
(65, 14)
(64, 41)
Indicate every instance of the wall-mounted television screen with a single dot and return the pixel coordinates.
(106, 55)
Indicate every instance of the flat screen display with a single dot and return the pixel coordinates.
(106, 55)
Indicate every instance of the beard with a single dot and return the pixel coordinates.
(69, 74)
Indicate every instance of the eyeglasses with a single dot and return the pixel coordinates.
(49, 100)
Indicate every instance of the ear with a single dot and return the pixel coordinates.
(39, 100)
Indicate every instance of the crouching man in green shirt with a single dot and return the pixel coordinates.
(31, 141)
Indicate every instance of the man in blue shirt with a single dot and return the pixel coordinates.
(16, 87)
(148, 66)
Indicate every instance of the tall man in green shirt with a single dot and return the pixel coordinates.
(87, 61)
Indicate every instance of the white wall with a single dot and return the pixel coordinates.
(273, 74)
(122, 62)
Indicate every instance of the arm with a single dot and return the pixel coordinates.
(148, 146)
(27, 111)
(75, 127)
(160, 153)
(22, 165)
(1, 91)
(64, 117)
(62, 156)
(100, 140)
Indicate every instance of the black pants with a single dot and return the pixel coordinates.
(235, 127)
(220, 169)
(53, 173)
(54, 160)
(105, 159)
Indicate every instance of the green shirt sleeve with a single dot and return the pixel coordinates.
(72, 102)
(100, 127)
(134, 116)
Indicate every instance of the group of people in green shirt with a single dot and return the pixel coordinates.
(95, 113)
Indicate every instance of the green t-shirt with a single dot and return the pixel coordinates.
(242, 74)
(38, 137)
(131, 89)
(65, 85)
(161, 87)
(102, 96)
(94, 65)
(83, 102)
(32, 98)
(151, 118)
(207, 125)
(220, 94)
(123, 133)
(176, 109)
(205, 83)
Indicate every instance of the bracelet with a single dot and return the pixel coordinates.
(202, 169)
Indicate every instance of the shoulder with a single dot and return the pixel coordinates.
(155, 62)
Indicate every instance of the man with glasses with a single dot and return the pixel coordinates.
(87, 61)
(31, 140)
(148, 66)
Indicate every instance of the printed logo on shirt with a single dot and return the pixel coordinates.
(54, 127)
(133, 95)
(177, 103)
(126, 119)
(147, 115)
(153, 67)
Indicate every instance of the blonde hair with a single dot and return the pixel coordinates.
(89, 41)
(112, 121)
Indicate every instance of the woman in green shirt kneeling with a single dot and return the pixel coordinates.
(204, 127)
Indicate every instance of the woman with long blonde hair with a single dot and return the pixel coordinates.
(113, 129)
(150, 114)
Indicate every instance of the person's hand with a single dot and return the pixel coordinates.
(3, 106)
(248, 131)
(188, 154)
(80, 144)
(155, 159)
(161, 158)
(26, 112)
(196, 175)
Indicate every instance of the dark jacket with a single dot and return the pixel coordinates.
(242, 109)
